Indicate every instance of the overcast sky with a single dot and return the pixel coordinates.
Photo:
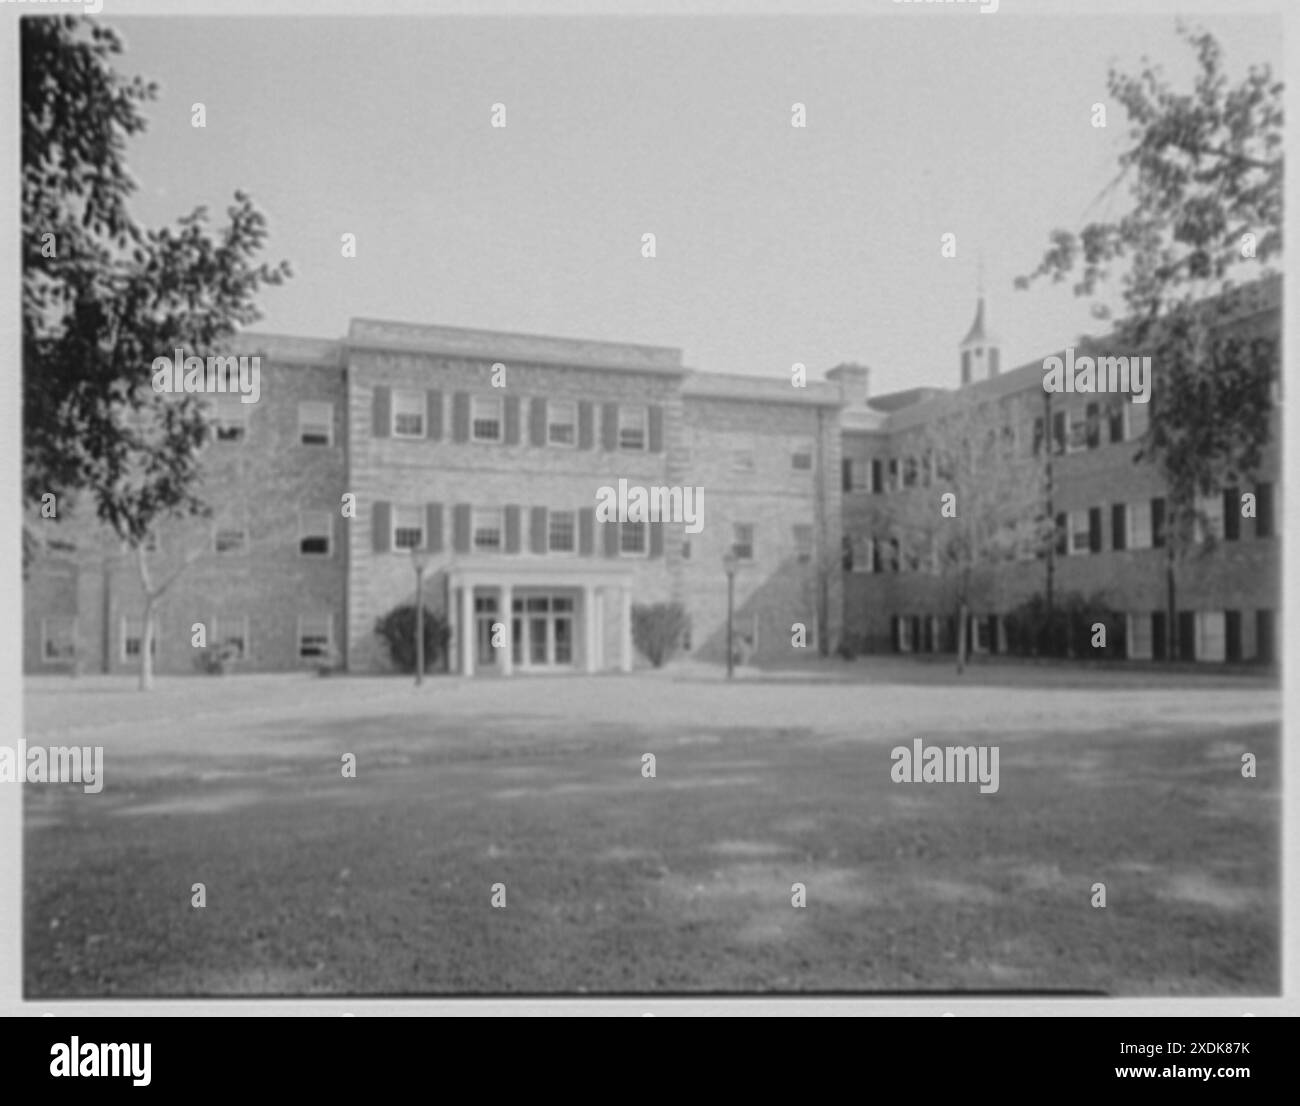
(775, 244)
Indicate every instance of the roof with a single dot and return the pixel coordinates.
(500, 345)
(760, 389)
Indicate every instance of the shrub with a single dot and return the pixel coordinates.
(658, 629)
(1067, 632)
(217, 660)
(396, 630)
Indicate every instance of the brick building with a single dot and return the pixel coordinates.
(486, 451)
(1108, 510)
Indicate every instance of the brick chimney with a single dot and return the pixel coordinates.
(853, 380)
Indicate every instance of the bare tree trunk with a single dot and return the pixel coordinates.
(151, 596)
(146, 646)
(963, 615)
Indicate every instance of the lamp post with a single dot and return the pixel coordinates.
(419, 561)
(729, 566)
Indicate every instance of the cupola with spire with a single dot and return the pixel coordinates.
(981, 351)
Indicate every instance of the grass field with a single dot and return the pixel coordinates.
(382, 884)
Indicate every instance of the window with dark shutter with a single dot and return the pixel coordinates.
(1118, 526)
(1094, 529)
(1231, 514)
(1263, 510)
(1158, 523)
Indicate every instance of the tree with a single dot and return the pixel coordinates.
(102, 298)
(1202, 181)
(972, 497)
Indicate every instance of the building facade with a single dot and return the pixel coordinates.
(486, 452)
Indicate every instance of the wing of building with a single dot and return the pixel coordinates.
(487, 452)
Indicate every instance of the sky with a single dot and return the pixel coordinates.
(775, 245)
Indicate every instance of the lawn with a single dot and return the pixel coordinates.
(383, 884)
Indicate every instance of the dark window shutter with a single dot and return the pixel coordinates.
(846, 474)
(609, 426)
(1093, 425)
(656, 429)
(586, 435)
(460, 528)
(1232, 635)
(512, 420)
(512, 528)
(1116, 423)
(1058, 432)
(460, 416)
(893, 632)
(1062, 534)
(381, 523)
(611, 538)
(537, 422)
(1094, 529)
(1231, 514)
(893, 474)
(539, 528)
(1263, 510)
(433, 527)
(1118, 527)
(433, 427)
(657, 539)
(1158, 523)
(1159, 636)
(586, 531)
(1038, 436)
(383, 409)
(877, 476)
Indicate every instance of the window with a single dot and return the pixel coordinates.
(231, 630)
(1079, 532)
(1158, 523)
(562, 423)
(408, 414)
(801, 461)
(1138, 419)
(632, 427)
(1077, 441)
(408, 528)
(486, 418)
(632, 539)
(229, 419)
(487, 527)
(904, 634)
(58, 640)
(1138, 636)
(1092, 425)
(1209, 517)
(855, 469)
(1139, 525)
(562, 528)
(742, 541)
(742, 460)
(893, 474)
(230, 542)
(863, 554)
(1115, 417)
(314, 528)
(803, 543)
(909, 472)
(1210, 636)
(1058, 432)
(132, 635)
(315, 423)
(315, 634)
(877, 476)
(983, 635)
(1038, 436)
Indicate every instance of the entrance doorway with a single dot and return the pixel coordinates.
(541, 632)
